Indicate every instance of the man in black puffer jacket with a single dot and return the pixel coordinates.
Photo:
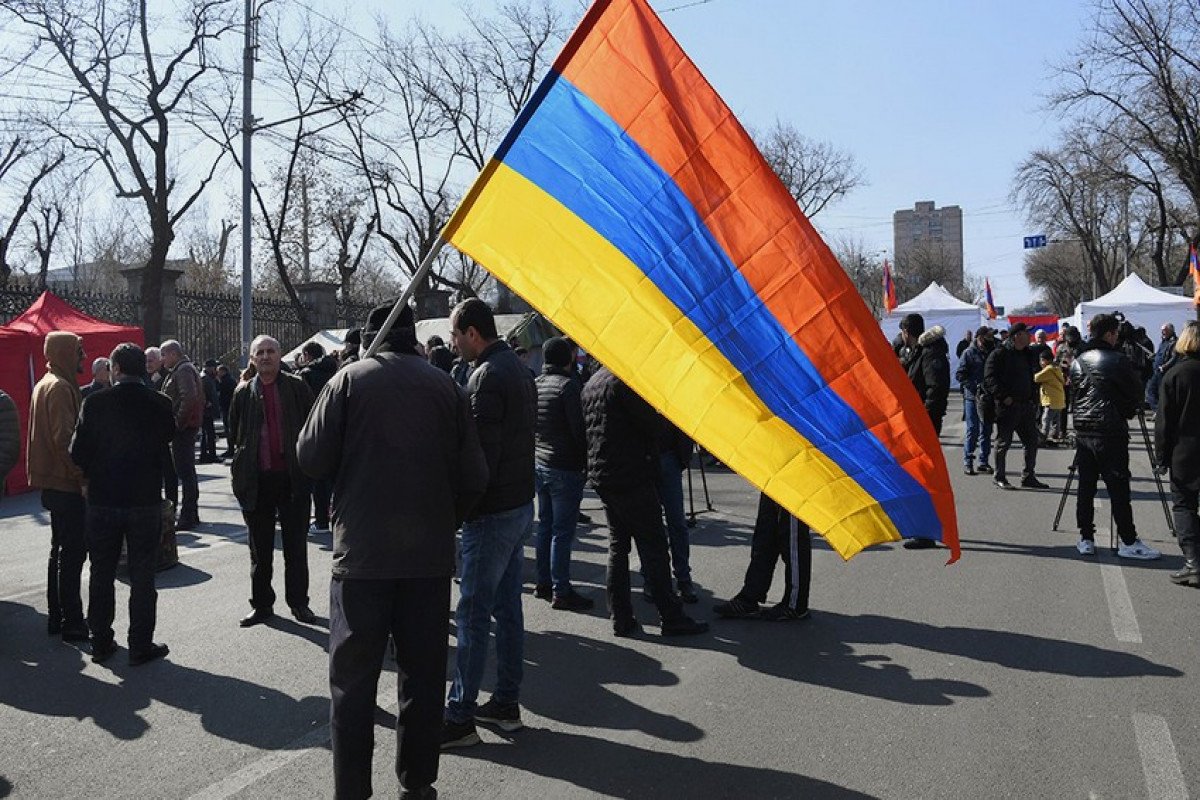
(925, 358)
(560, 453)
(1107, 393)
(622, 431)
(1008, 379)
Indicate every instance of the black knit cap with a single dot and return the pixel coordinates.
(379, 315)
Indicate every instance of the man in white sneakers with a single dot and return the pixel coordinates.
(1107, 394)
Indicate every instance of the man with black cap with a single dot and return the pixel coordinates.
(504, 406)
(212, 407)
(560, 471)
(395, 437)
(1008, 380)
(978, 415)
(924, 355)
(264, 423)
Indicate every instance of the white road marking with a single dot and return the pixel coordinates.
(1160, 762)
(1120, 607)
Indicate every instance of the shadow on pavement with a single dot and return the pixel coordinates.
(175, 577)
(1067, 551)
(585, 699)
(41, 675)
(621, 770)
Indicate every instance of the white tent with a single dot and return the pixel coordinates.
(938, 307)
(331, 339)
(1143, 305)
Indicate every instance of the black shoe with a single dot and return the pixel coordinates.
(187, 523)
(571, 601)
(419, 793)
(255, 617)
(625, 627)
(984, 469)
(687, 593)
(683, 626)
(505, 716)
(75, 633)
(737, 608)
(1033, 483)
(1002, 483)
(1188, 576)
(154, 652)
(783, 611)
(968, 469)
(304, 614)
(543, 591)
(920, 544)
(459, 734)
(103, 651)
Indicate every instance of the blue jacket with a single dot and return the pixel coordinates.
(970, 368)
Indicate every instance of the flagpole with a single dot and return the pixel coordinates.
(417, 277)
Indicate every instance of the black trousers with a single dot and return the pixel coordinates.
(778, 536)
(322, 492)
(1106, 458)
(1184, 504)
(140, 528)
(275, 500)
(1021, 419)
(635, 516)
(208, 438)
(183, 453)
(68, 551)
(362, 614)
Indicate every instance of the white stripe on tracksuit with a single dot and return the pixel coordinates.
(794, 561)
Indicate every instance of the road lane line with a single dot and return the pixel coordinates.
(1160, 762)
(1120, 606)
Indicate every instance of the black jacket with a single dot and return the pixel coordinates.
(622, 432)
(120, 443)
(395, 437)
(561, 436)
(319, 373)
(1177, 423)
(1008, 374)
(928, 367)
(245, 424)
(212, 395)
(970, 369)
(504, 405)
(225, 388)
(1107, 391)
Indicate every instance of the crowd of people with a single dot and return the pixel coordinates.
(1013, 380)
(397, 453)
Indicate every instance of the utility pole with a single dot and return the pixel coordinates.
(248, 58)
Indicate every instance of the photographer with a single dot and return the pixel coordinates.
(1107, 393)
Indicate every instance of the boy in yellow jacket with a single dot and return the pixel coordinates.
(1054, 398)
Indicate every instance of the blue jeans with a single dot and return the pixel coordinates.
(492, 557)
(559, 492)
(670, 494)
(976, 431)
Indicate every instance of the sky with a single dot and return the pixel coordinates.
(935, 99)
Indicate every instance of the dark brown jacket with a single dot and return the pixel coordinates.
(245, 425)
(395, 436)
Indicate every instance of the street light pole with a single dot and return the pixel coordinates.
(248, 57)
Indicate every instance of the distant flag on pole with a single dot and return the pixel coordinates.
(889, 288)
(991, 303)
(629, 206)
(1194, 269)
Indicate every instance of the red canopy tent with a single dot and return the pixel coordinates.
(22, 363)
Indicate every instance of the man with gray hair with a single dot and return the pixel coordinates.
(265, 418)
(182, 385)
(101, 378)
(154, 371)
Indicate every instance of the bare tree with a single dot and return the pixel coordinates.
(208, 255)
(1139, 66)
(815, 173)
(1060, 272)
(346, 218)
(46, 226)
(112, 49)
(864, 268)
(16, 153)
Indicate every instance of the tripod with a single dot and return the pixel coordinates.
(1162, 494)
(692, 512)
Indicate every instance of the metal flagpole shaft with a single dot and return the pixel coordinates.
(417, 277)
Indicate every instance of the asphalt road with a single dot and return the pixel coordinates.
(1023, 671)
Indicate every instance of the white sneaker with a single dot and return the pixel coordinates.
(1086, 547)
(313, 530)
(1138, 550)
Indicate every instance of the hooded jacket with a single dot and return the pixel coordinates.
(1053, 388)
(53, 413)
(928, 367)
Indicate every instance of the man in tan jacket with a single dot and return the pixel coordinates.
(183, 386)
(52, 416)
